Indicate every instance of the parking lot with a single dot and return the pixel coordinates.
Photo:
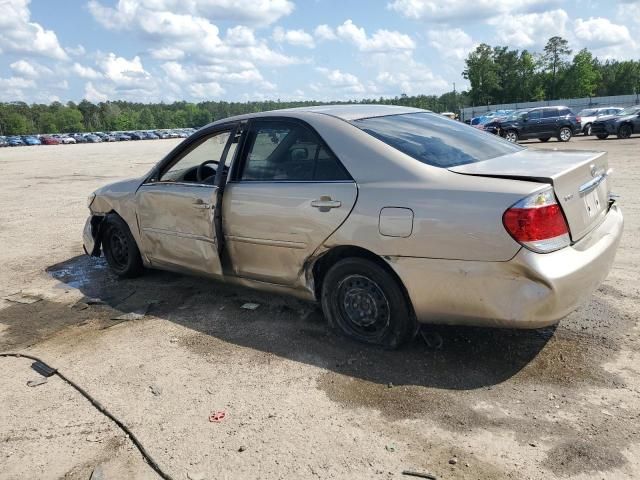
(300, 402)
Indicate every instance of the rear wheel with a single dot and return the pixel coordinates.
(366, 303)
(602, 136)
(564, 135)
(511, 136)
(120, 248)
(545, 139)
(625, 131)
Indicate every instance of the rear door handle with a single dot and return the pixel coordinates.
(325, 203)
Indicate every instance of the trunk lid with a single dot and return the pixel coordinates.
(579, 179)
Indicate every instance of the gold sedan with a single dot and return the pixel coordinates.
(388, 216)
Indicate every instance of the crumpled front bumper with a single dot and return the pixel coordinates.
(90, 234)
(531, 290)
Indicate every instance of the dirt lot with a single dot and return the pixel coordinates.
(299, 402)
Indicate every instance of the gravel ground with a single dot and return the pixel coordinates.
(300, 402)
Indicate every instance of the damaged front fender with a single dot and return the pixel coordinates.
(91, 235)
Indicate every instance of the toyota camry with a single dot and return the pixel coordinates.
(389, 217)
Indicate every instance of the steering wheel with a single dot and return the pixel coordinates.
(200, 171)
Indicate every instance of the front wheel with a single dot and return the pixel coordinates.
(511, 136)
(625, 131)
(366, 303)
(120, 248)
(564, 135)
(602, 136)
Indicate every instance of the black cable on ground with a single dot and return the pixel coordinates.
(145, 455)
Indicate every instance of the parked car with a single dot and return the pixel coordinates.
(589, 115)
(15, 141)
(624, 124)
(122, 137)
(31, 140)
(489, 116)
(542, 123)
(161, 134)
(47, 140)
(90, 138)
(3, 142)
(67, 140)
(79, 138)
(387, 216)
(150, 136)
(136, 135)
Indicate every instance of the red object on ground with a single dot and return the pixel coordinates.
(217, 416)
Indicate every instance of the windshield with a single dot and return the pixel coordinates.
(518, 113)
(435, 140)
(588, 112)
(629, 111)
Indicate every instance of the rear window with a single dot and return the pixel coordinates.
(436, 140)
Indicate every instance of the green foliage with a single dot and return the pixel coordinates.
(18, 118)
(499, 75)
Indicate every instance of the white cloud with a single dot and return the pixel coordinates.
(452, 10)
(342, 80)
(166, 53)
(380, 41)
(85, 72)
(204, 91)
(76, 51)
(293, 37)
(240, 36)
(255, 12)
(94, 95)
(324, 32)
(529, 29)
(124, 74)
(601, 32)
(18, 34)
(451, 43)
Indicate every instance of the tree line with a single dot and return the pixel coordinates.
(502, 75)
(19, 118)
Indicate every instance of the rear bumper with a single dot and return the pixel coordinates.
(531, 290)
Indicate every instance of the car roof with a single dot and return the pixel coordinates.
(344, 112)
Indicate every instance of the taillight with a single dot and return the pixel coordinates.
(537, 223)
(579, 119)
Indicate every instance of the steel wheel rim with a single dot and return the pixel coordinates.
(565, 134)
(363, 306)
(119, 248)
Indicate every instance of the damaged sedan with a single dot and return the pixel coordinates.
(389, 217)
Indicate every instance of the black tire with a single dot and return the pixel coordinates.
(511, 136)
(602, 136)
(120, 248)
(365, 303)
(564, 134)
(587, 130)
(545, 139)
(625, 131)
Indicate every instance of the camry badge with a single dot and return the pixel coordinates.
(568, 197)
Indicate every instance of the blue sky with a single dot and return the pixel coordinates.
(237, 50)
